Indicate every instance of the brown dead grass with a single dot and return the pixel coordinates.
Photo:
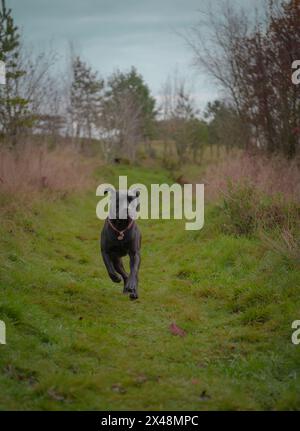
(34, 168)
(269, 175)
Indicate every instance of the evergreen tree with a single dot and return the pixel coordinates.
(132, 83)
(14, 113)
(86, 98)
(183, 116)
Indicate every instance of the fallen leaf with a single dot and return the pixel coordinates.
(175, 330)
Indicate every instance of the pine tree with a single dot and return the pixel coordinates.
(14, 115)
(183, 116)
(86, 96)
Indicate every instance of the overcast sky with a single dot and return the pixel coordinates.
(112, 34)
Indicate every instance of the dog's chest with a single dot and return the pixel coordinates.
(119, 247)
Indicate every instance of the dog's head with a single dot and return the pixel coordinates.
(124, 203)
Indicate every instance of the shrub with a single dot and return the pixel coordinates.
(240, 206)
(248, 209)
(286, 244)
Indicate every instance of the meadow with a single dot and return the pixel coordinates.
(74, 341)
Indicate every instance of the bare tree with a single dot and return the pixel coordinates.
(178, 113)
(251, 61)
(43, 89)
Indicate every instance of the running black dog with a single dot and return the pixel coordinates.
(120, 236)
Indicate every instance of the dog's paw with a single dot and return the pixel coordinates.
(133, 295)
(131, 287)
(115, 278)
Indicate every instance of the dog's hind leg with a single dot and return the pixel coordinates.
(119, 267)
(110, 268)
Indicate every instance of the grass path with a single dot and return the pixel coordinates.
(75, 342)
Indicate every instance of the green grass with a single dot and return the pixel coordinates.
(74, 341)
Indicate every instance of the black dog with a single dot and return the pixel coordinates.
(120, 236)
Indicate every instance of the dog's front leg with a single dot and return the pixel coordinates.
(132, 282)
(119, 267)
(110, 267)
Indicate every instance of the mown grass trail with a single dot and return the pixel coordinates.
(75, 342)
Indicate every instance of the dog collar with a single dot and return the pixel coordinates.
(120, 232)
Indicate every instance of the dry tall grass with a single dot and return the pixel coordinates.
(270, 175)
(35, 168)
(259, 194)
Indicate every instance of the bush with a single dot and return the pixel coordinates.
(240, 206)
(286, 244)
(248, 209)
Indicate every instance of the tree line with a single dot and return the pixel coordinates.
(250, 59)
(119, 112)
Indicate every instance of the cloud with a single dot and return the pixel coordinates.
(116, 33)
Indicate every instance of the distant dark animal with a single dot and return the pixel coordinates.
(181, 180)
(121, 236)
(121, 161)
